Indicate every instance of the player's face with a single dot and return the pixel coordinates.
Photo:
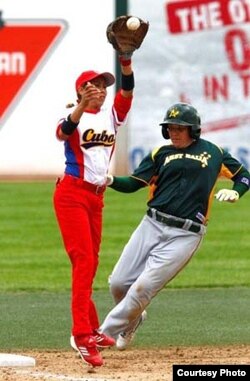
(96, 91)
(100, 84)
(179, 135)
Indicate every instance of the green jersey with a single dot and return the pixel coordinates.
(182, 181)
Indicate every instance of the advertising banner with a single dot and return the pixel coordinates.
(25, 44)
(196, 51)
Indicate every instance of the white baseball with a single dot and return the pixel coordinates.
(133, 23)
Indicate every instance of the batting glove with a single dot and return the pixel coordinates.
(109, 180)
(227, 195)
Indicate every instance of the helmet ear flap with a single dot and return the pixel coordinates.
(195, 132)
(164, 131)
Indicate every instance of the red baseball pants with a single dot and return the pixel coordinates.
(79, 215)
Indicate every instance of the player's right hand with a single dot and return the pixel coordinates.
(90, 93)
(109, 180)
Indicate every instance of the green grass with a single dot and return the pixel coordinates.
(32, 256)
(207, 303)
(182, 317)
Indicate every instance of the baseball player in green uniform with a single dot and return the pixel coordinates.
(182, 177)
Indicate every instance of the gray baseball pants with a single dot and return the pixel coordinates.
(153, 256)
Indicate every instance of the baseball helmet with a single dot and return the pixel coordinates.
(182, 114)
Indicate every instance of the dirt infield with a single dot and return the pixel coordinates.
(130, 365)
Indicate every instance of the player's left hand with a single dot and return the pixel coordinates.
(125, 41)
(229, 195)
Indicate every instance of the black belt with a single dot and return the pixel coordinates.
(170, 221)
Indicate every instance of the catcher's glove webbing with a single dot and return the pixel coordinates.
(124, 40)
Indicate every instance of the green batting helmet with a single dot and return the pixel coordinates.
(182, 114)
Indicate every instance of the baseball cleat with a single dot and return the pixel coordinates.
(87, 349)
(102, 340)
(72, 343)
(125, 338)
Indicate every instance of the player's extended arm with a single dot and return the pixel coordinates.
(125, 184)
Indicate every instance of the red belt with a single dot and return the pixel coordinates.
(97, 189)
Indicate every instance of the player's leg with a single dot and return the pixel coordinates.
(102, 340)
(72, 216)
(173, 251)
(95, 219)
(76, 233)
(129, 267)
(132, 260)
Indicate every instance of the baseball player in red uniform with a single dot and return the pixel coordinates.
(89, 134)
(182, 177)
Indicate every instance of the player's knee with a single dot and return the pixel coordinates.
(141, 295)
(118, 290)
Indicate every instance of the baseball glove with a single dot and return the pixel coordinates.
(124, 40)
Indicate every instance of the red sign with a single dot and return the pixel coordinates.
(24, 47)
(195, 15)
